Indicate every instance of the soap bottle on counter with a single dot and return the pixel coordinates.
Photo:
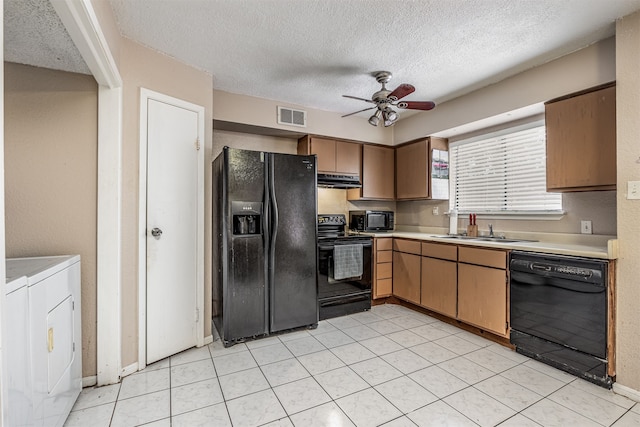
(453, 221)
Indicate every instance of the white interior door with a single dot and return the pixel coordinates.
(172, 212)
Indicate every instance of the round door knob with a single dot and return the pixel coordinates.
(156, 232)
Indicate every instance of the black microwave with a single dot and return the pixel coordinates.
(371, 220)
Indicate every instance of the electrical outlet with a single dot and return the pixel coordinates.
(633, 190)
(585, 227)
(435, 211)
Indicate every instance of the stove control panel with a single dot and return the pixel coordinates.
(332, 219)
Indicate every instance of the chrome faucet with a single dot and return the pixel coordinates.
(490, 230)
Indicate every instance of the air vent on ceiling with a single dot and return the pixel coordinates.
(288, 116)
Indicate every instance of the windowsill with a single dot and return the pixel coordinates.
(521, 216)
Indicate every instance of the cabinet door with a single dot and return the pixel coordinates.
(581, 141)
(412, 171)
(482, 297)
(378, 172)
(406, 276)
(439, 286)
(348, 157)
(383, 268)
(325, 149)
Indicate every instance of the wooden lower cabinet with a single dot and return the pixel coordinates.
(466, 283)
(482, 297)
(439, 286)
(406, 276)
(382, 267)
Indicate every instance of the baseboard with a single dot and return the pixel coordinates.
(89, 381)
(208, 340)
(128, 370)
(626, 392)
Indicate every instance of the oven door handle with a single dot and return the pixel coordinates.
(330, 247)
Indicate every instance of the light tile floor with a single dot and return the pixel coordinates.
(391, 366)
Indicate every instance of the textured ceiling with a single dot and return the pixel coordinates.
(310, 52)
(34, 35)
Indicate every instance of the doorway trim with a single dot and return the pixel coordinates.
(80, 21)
(145, 96)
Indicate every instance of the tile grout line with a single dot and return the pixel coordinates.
(402, 347)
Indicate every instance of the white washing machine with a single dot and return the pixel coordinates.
(55, 340)
(16, 380)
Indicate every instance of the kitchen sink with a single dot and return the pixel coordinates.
(485, 239)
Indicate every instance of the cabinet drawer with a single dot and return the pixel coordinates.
(408, 246)
(438, 250)
(384, 271)
(384, 287)
(486, 257)
(384, 244)
(384, 256)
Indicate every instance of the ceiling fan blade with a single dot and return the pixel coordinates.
(401, 91)
(356, 112)
(416, 105)
(360, 99)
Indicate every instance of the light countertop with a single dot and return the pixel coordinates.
(602, 247)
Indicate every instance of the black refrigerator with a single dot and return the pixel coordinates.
(264, 268)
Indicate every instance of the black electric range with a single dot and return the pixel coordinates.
(339, 295)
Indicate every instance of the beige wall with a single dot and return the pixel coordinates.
(580, 70)
(596, 206)
(244, 109)
(51, 176)
(628, 128)
(248, 141)
(141, 67)
(329, 200)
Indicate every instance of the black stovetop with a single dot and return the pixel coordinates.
(334, 226)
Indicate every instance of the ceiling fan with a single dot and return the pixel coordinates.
(385, 99)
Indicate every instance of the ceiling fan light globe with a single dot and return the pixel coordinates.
(374, 120)
(391, 115)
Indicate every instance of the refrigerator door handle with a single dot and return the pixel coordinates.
(274, 214)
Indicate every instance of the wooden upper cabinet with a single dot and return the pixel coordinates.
(413, 168)
(378, 174)
(334, 156)
(348, 157)
(581, 141)
(325, 149)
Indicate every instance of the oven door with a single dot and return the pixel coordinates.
(354, 289)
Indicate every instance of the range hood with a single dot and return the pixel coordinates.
(338, 181)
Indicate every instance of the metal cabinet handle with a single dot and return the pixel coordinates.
(156, 232)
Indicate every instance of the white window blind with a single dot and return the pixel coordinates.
(502, 173)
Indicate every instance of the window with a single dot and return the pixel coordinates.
(502, 173)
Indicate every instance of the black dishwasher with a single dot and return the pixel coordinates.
(559, 312)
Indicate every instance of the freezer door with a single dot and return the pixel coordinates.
(244, 312)
(292, 257)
